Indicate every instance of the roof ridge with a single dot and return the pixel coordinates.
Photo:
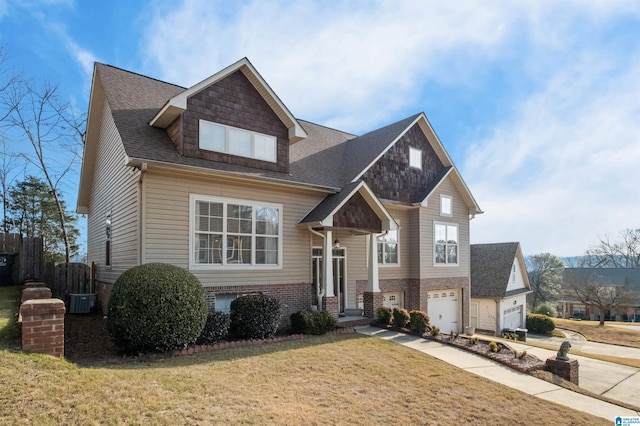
(327, 127)
(139, 74)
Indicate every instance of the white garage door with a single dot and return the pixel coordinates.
(443, 307)
(392, 300)
(513, 317)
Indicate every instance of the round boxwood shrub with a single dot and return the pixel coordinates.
(383, 315)
(215, 329)
(255, 316)
(547, 309)
(312, 322)
(538, 323)
(156, 307)
(418, 321)
(400, 317)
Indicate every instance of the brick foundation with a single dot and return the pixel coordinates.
(331, 305)
(568, 370)
(43, 326)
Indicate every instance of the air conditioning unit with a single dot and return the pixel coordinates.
(81, 303)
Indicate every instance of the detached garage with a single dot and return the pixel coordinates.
(444, 308)
(499, 287)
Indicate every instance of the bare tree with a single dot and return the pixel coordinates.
(40, 118)
(592, 291)
(623, 253)
(545, 277)
(8, 165)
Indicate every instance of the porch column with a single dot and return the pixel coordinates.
(330, 302)
(374, 282)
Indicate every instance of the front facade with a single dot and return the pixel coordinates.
(499, 288)
(222, 180)
(617, 284)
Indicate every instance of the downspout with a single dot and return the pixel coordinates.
(141, 212)
(320, 293)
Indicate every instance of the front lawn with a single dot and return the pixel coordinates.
(9, 303)
(348, 379)
(607, 333)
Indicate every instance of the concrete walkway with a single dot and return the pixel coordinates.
(506, 376)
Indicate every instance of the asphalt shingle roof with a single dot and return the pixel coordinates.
(491, 268)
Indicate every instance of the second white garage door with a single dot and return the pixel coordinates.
(443, 307)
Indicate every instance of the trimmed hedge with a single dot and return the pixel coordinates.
(418, 321)
(312, 322)
(400, 317)
(255, 316)
(215, 329)
(538, 323)
(156, 307)
(383, 315)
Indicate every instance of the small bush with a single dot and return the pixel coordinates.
(215, 329)
(312, 322)
(400, 317)
(156, 307)
(547, 309)
(383, 315)
(473, 340)
(537, 323)
(435, 330)
(418, 321)
(255, 316)
(494, 347)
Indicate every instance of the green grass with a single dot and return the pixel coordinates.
(9, 306)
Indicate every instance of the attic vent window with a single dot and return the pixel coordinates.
(234, 141)
(415, 158)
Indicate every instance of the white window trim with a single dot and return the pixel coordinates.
(445, 265)
(388, 265)
(226, 267)
(417, 151)
(226, 142)
(442, 212)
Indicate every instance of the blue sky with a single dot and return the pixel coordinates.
(537, 102)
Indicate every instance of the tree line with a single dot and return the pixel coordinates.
(549, 285)
(41, 140)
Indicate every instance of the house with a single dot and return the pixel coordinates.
(617, 284)
(499, 287)
(223, 180)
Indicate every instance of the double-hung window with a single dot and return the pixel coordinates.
(231, 140)
(388, 248)
(446, 244)
(234, 233)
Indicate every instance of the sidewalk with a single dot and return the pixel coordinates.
(501, 374)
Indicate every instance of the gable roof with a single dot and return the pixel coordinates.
(491, 268)
(178, 103)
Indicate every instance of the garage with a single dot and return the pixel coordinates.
(443, 307)
(512, 317)
(392, 299)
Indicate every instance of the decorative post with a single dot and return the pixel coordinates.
(373, 298)
(329, 300)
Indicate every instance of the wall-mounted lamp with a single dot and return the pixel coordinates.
(515, 301)
(336, 243)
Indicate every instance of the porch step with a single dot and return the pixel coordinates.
(345, 322)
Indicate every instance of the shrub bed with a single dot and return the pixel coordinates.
(215, 329)
(255, 316)
(312, 322)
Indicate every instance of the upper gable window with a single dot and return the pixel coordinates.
(446, 205)
(415, 158)
(234, 141)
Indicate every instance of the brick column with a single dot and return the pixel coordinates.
(43, 326)
(372, 301)
(331, 305)
(568, 370)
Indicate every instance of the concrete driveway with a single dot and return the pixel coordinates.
(605, 378)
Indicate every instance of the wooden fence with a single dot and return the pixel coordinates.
(71, 278)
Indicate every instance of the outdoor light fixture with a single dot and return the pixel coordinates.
(336, 243)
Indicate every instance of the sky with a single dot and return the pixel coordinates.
(537, 102)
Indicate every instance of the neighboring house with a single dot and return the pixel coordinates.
(623, 282)
(499, 287)
(221, 179)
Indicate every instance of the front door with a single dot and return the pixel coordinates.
(339, 276)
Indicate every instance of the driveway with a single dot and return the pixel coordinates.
(612, 380)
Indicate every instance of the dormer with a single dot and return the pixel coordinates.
(232, 117)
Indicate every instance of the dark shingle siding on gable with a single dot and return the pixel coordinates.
(356, 213)
(391, 177)
(234, 101)
(491, 268)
